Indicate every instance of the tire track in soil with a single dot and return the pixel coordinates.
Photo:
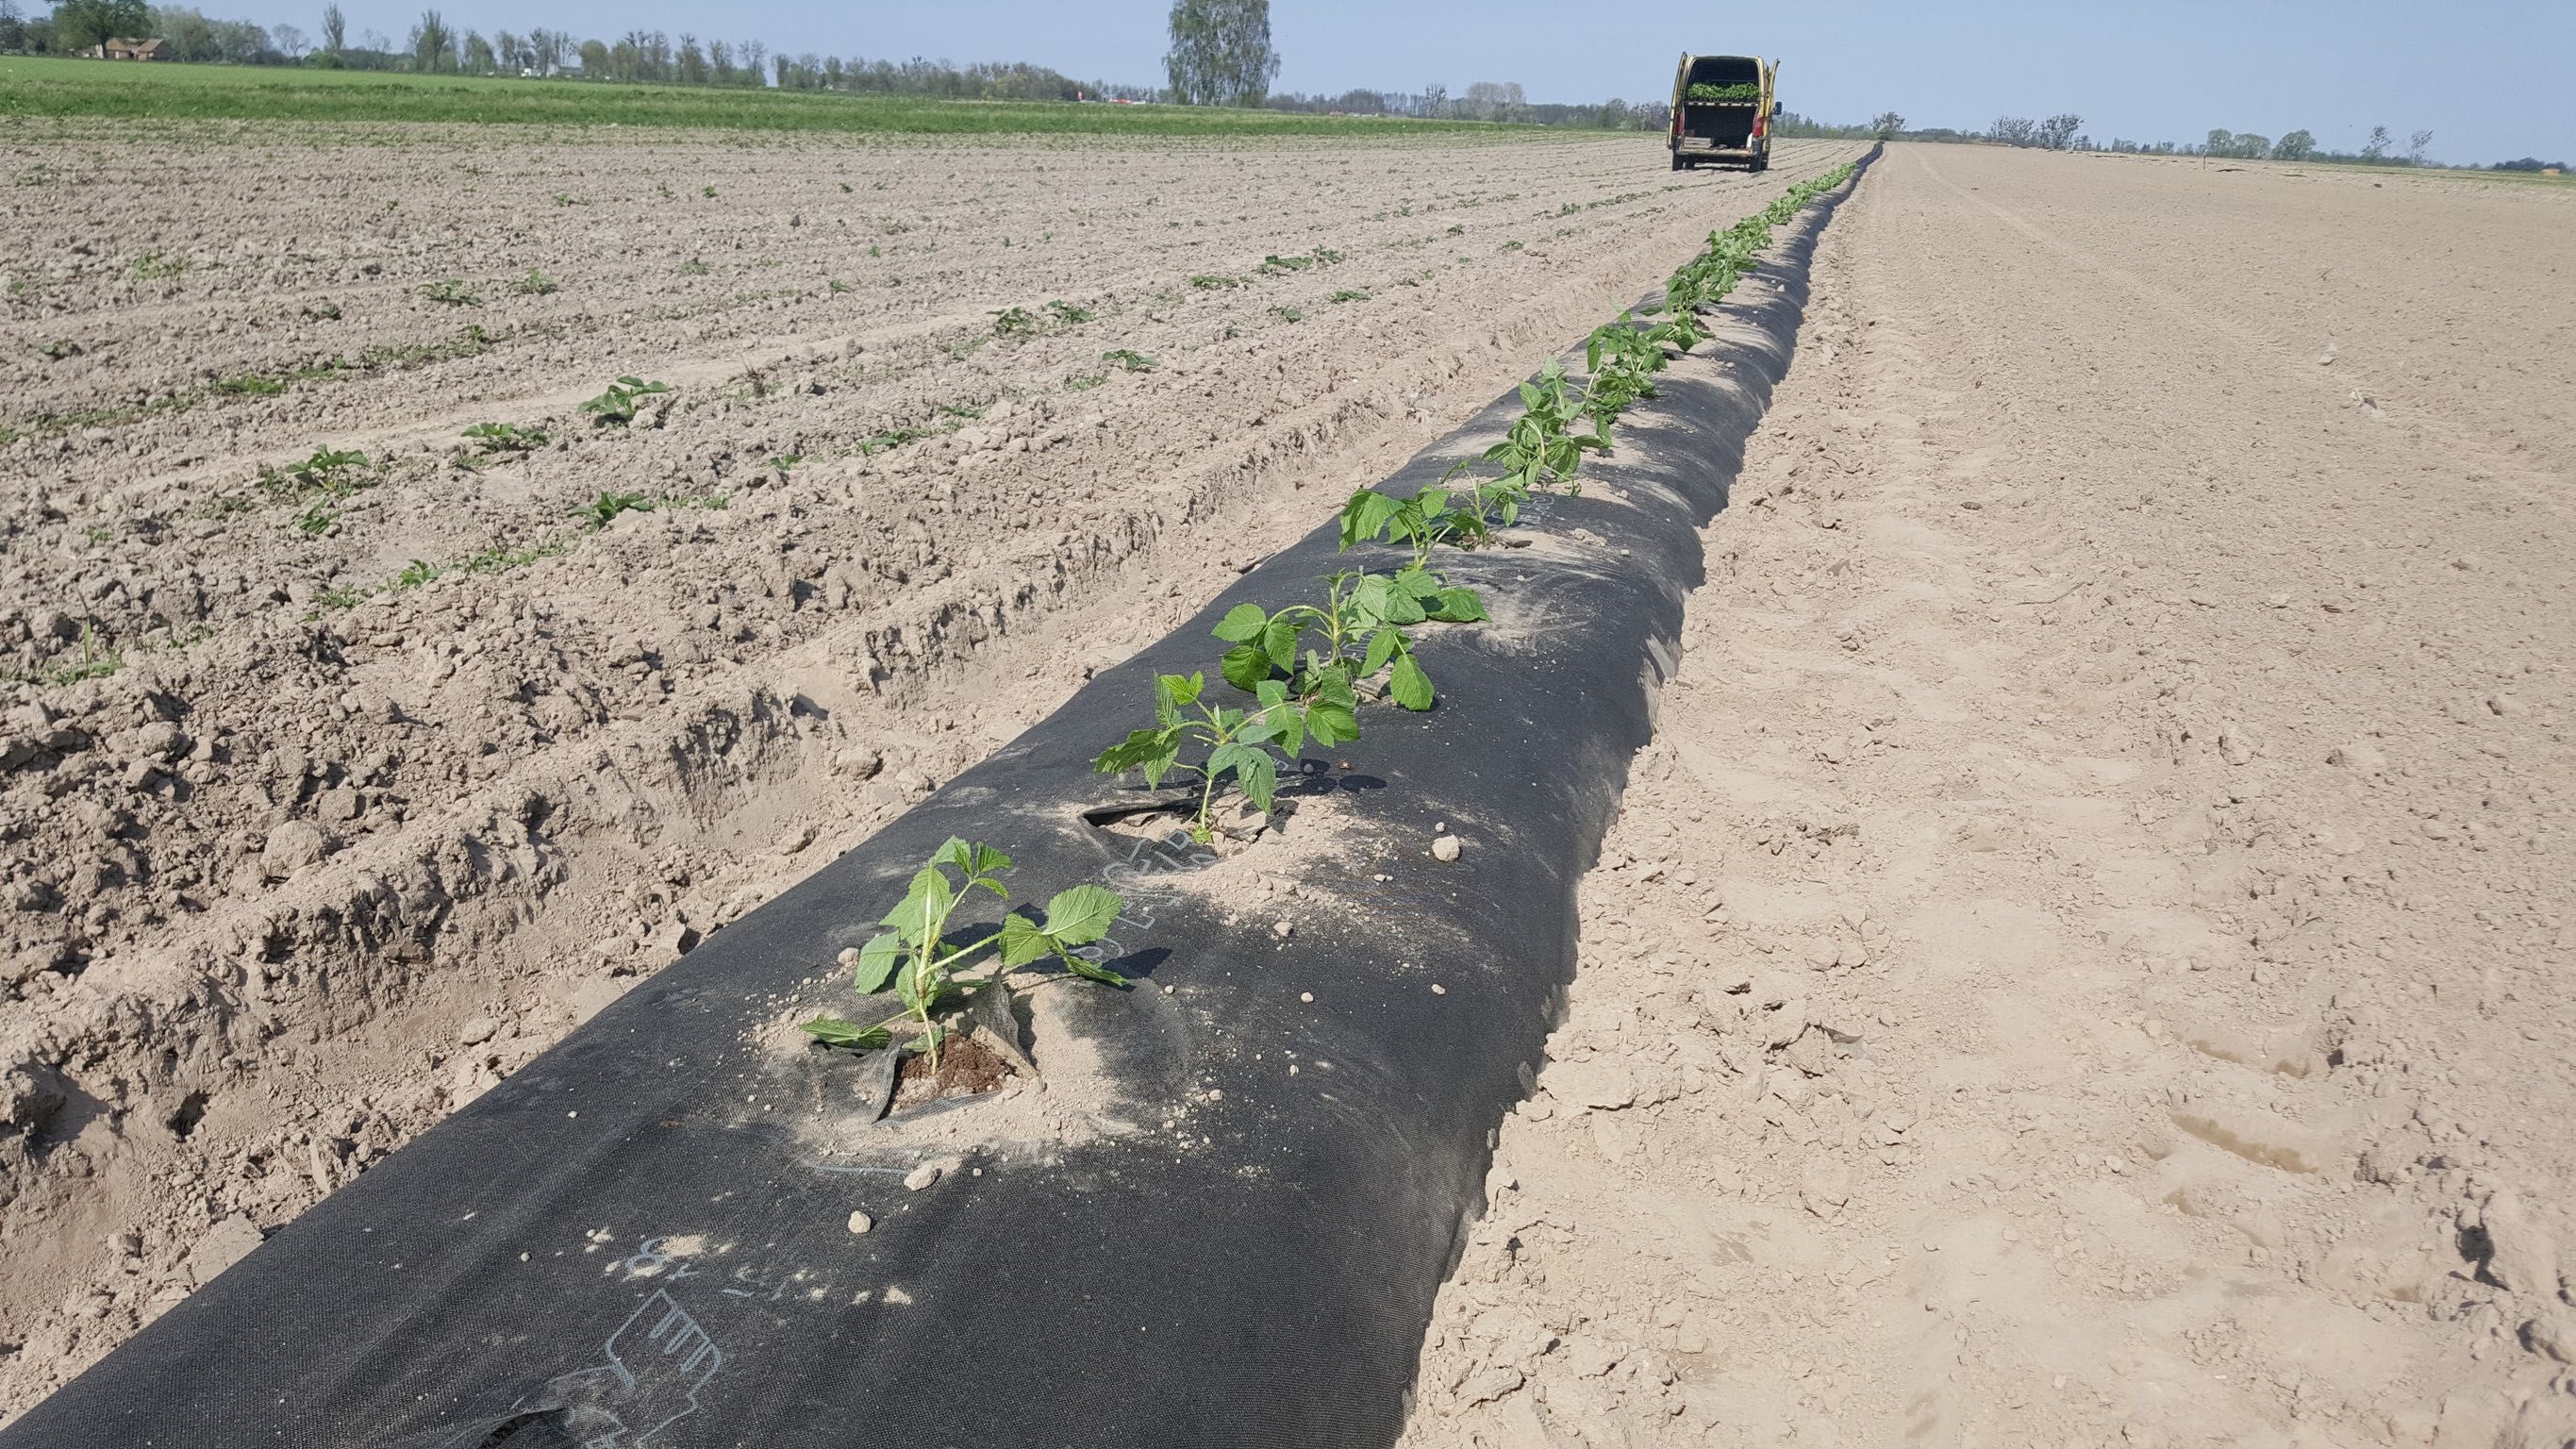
(2077, 965)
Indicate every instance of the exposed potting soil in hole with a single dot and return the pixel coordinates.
(966, 1068)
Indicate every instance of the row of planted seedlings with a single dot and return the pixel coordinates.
(1297, 673)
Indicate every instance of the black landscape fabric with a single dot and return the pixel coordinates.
(1262, 1277)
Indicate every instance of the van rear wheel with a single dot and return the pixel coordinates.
(1679, 163)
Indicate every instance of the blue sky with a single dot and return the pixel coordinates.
(2486, 78)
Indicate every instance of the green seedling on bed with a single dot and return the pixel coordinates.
(1069, 314)
(157, 267)
(534, 284)
(622, 401)
(1540, 450)
(1621, 360)
(1247, 745)
(1431, 518)
(693, 268)
(1130, 359)
(1359, 631)
(1015, 323)
(1349, 294)
(1286, 264)
(60, 348)
(916, 958)
(451, 292)
(251, 384)
(1208, 282)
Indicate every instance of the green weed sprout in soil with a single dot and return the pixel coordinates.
(621, 402)
(924, 967)
(494, 439)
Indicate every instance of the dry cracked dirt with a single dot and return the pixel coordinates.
(350, 760)
(2085, 960)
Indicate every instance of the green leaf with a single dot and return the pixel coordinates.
(832, 1031)
(1332, 724)
(877, 961)
(1403, 608)
(1245, 666)
(1381, 647)
(1081, 914)
(989, 861)
(1241, 624)
(1279, 642)
(1233, 756)
(1408, 685)
(1460, 606)
(1022, 942)
(926, 901)
(1160, 763)
(1259, 778)
(1182, 689)
(957, 853)
(1129, 753)
(1366, 516)
(1090, 970)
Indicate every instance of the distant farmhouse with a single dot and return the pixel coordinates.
(136, 50)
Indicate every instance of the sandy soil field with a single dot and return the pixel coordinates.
(334, 792)
(2085, 961)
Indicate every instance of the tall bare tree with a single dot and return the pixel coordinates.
(1886, 124)
(335, 29)
(433, 45)
(2058, 131)
(2415, 145)
(1221, 53)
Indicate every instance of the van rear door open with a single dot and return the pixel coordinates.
(1722, 111)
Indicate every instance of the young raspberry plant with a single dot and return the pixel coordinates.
(1246, 744)
(917, 958)
(1360, 627)
(1432, 517)
(1541, 449)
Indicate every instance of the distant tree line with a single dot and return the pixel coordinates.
(1494, 101)
(1221, 55)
